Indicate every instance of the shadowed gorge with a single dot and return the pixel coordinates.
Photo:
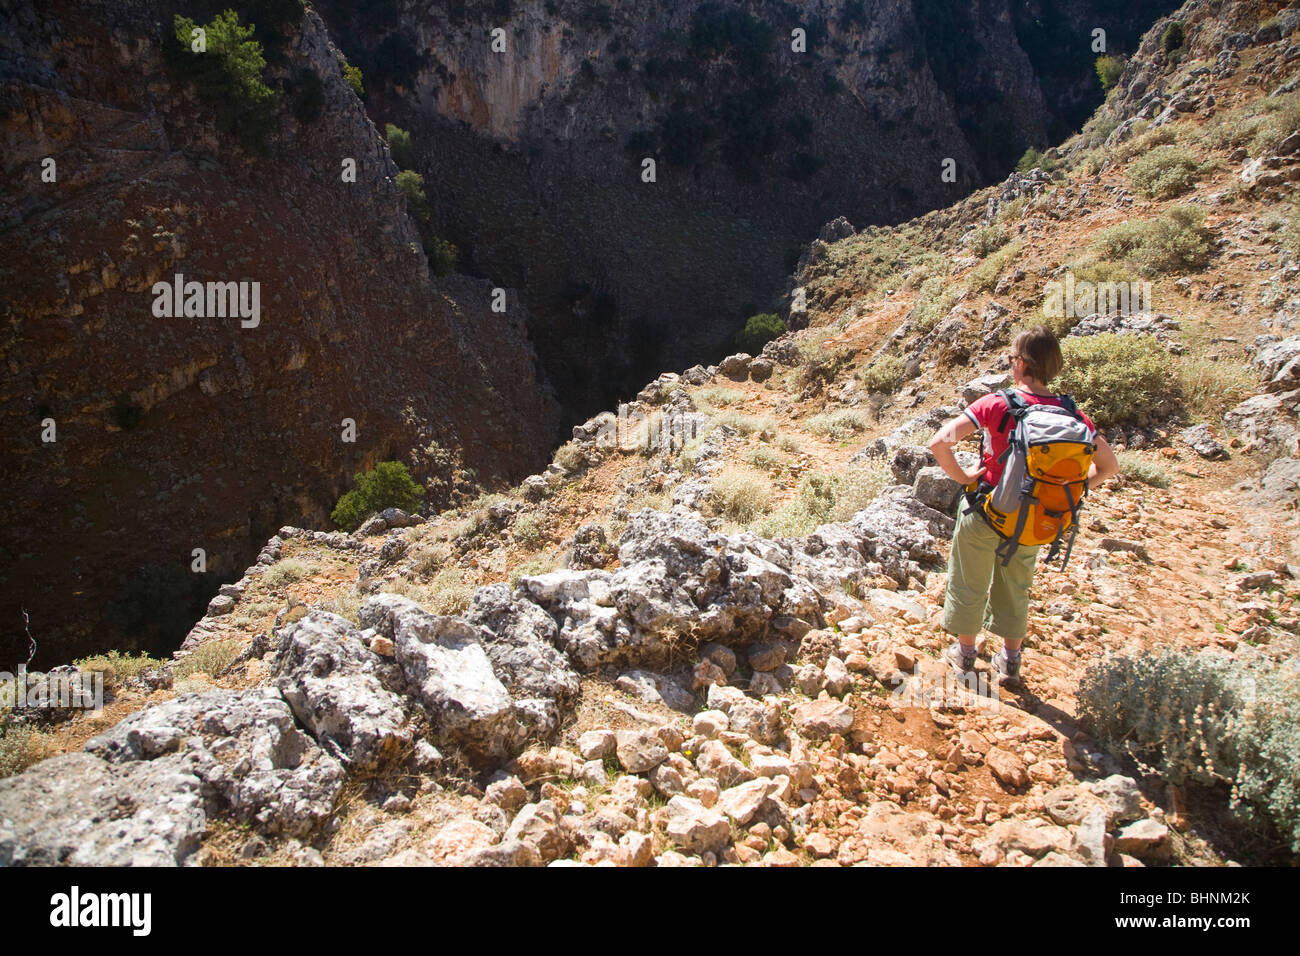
(532, 157)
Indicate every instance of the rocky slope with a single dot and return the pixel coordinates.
(533, 155)
(173, 434)
(707, 633)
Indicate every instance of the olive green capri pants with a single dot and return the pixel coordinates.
(981, 592)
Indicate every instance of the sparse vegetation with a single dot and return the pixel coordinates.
(1036, 159)
(740, 495)
(570, 456)
(718, 397)
(1137, 468)
(882, 375)
(20, 747)
(1177, 241)
(117, 667)
(838, 425)
(285, 572)
(530, 529)
(533, 566)
(825, 497)
(984, 277)
(765, 458)
(747, 425)
(935, 297)
(1209, 388)
(1164, 172)
(209, 658)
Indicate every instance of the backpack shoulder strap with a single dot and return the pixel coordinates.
(1068, 404)
(1016, 406)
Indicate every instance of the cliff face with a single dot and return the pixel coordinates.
(183, 433)
(533, 155)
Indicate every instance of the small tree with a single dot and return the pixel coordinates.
(399, 142)
(1109, 69)
(442, 255)
(758, 331)
(353, 75)
(1173, 37)
(227, 75)
(411, 185)
(389, 485)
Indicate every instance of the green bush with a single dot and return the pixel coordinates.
(400, 145)
(1280, 118)
(1177, 241)
(882, 375)
(986, 239)
(389, 485)
(1164, 172)
(1119, 379)
(530, 529)
(353, 75)
(1109, 70)
(1173, 37)
(765, 459)
(758, 331)
(1035, 159)
(227, 76)
(442, 255)
(1206, 718)
(411, 185)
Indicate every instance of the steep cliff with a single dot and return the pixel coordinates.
(183, 433)
(533, 152)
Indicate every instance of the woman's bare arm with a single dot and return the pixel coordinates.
(941, 445)
(1104, 464)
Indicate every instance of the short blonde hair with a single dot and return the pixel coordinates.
(1041, 352)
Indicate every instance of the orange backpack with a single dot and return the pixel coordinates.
(1044, 476)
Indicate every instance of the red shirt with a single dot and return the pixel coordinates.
(987, 414)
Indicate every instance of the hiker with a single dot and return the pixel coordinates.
(992, 566)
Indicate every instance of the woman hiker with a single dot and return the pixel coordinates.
(982, 590)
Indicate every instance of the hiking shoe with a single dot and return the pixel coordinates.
(961, 662)
(1008, 672)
